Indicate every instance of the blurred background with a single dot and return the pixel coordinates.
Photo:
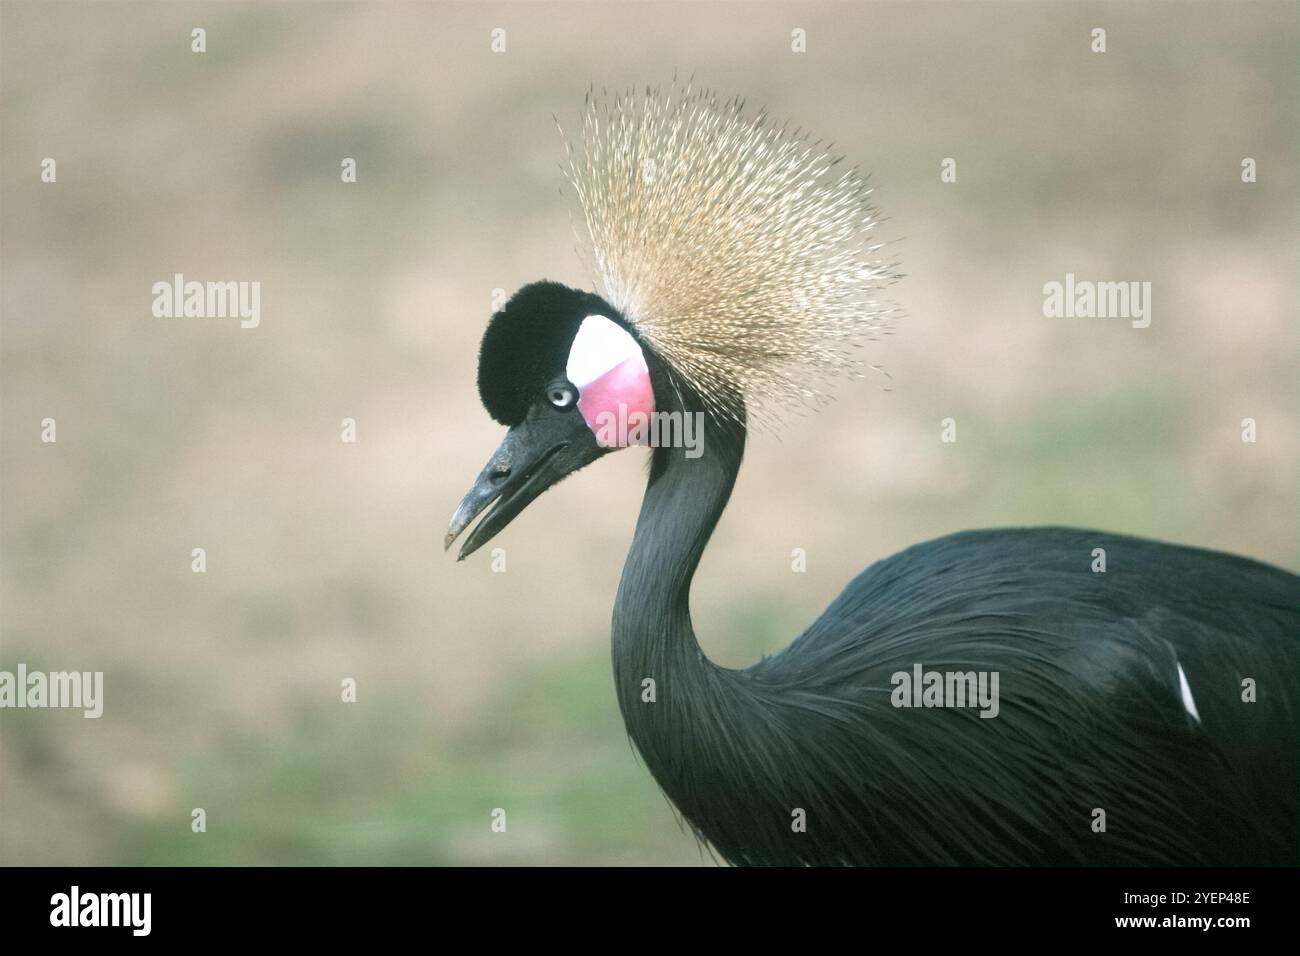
(478, 690)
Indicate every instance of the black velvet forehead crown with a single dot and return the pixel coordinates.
(526, 345)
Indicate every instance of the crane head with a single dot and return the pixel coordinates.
(559, 368)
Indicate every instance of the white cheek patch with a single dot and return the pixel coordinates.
(609, 370)
(600, 345)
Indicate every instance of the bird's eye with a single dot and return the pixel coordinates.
(561, 396)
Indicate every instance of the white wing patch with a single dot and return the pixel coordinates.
(599, 346)
(1188, 702)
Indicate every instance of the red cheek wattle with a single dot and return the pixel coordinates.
(615, 396)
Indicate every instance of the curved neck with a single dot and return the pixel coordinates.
(683, 501)
(653, 640)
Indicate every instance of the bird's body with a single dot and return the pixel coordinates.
(1140, 714)
(1091, 712)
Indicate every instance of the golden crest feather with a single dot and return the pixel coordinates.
(730, 243)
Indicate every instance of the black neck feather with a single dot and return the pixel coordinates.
(684, 722)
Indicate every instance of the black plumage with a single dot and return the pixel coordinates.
(526, 343)
(1092, 716)
(1091, 713)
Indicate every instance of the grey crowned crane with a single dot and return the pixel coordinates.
(1143, 716)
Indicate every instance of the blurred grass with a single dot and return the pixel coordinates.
(551, 752)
